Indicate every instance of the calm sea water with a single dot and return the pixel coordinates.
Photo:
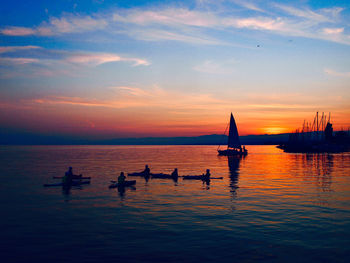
(270, 206)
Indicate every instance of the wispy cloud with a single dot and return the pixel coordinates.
(7, 49)
(169, 16)
(162, 35)
(248, 5)
(18, 61)
(50, 62)
(55, 26)
(70, 24)
(130, 90)
(257, 23)
(18, 31)
(70, 101)
(96, 59)
(334, 73)
(132, 97)
(212, 67)
(323, 15)
(279, 106)
(333, 30)
(159, 99)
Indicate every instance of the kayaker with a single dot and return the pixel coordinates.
(68, 177)
(206, 176)
(175, 174)
(121, 178)
(147, 171)
(70, 174)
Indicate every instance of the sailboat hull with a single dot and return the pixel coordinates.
(232, 152)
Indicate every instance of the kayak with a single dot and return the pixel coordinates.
(159, 175)
(74, 178)
(72, 184)
(126, 183)
(138, 174)
(197, 177)
(192, 177)
(162, 176)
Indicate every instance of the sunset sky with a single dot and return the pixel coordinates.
(106, 69)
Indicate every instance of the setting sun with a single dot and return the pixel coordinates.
(273, 130)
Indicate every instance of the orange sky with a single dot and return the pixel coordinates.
(108, 119)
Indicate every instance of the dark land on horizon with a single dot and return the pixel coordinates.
(214, 139)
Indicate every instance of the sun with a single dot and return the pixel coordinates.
(274, 130)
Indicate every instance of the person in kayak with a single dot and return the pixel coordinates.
(175, 174)
(121, 178)
(206, 176)
(147, 171)
(68, 177)
(70, 174)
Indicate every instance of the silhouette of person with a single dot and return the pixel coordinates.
(147, 171)
(70, 171)
(206, 176)
(68, 176)
(175, 175)
(121, 178)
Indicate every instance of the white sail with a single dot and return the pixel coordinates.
(233, 137)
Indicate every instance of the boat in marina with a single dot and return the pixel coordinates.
(234, 147)
(317, 137)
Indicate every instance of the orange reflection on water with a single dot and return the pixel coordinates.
(265, 180)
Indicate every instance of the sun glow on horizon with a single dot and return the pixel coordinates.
(273, 130)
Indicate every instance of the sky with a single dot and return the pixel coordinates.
(110, 69)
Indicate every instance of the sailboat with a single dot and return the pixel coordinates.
(234, 146)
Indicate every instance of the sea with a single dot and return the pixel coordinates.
(269, 206)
